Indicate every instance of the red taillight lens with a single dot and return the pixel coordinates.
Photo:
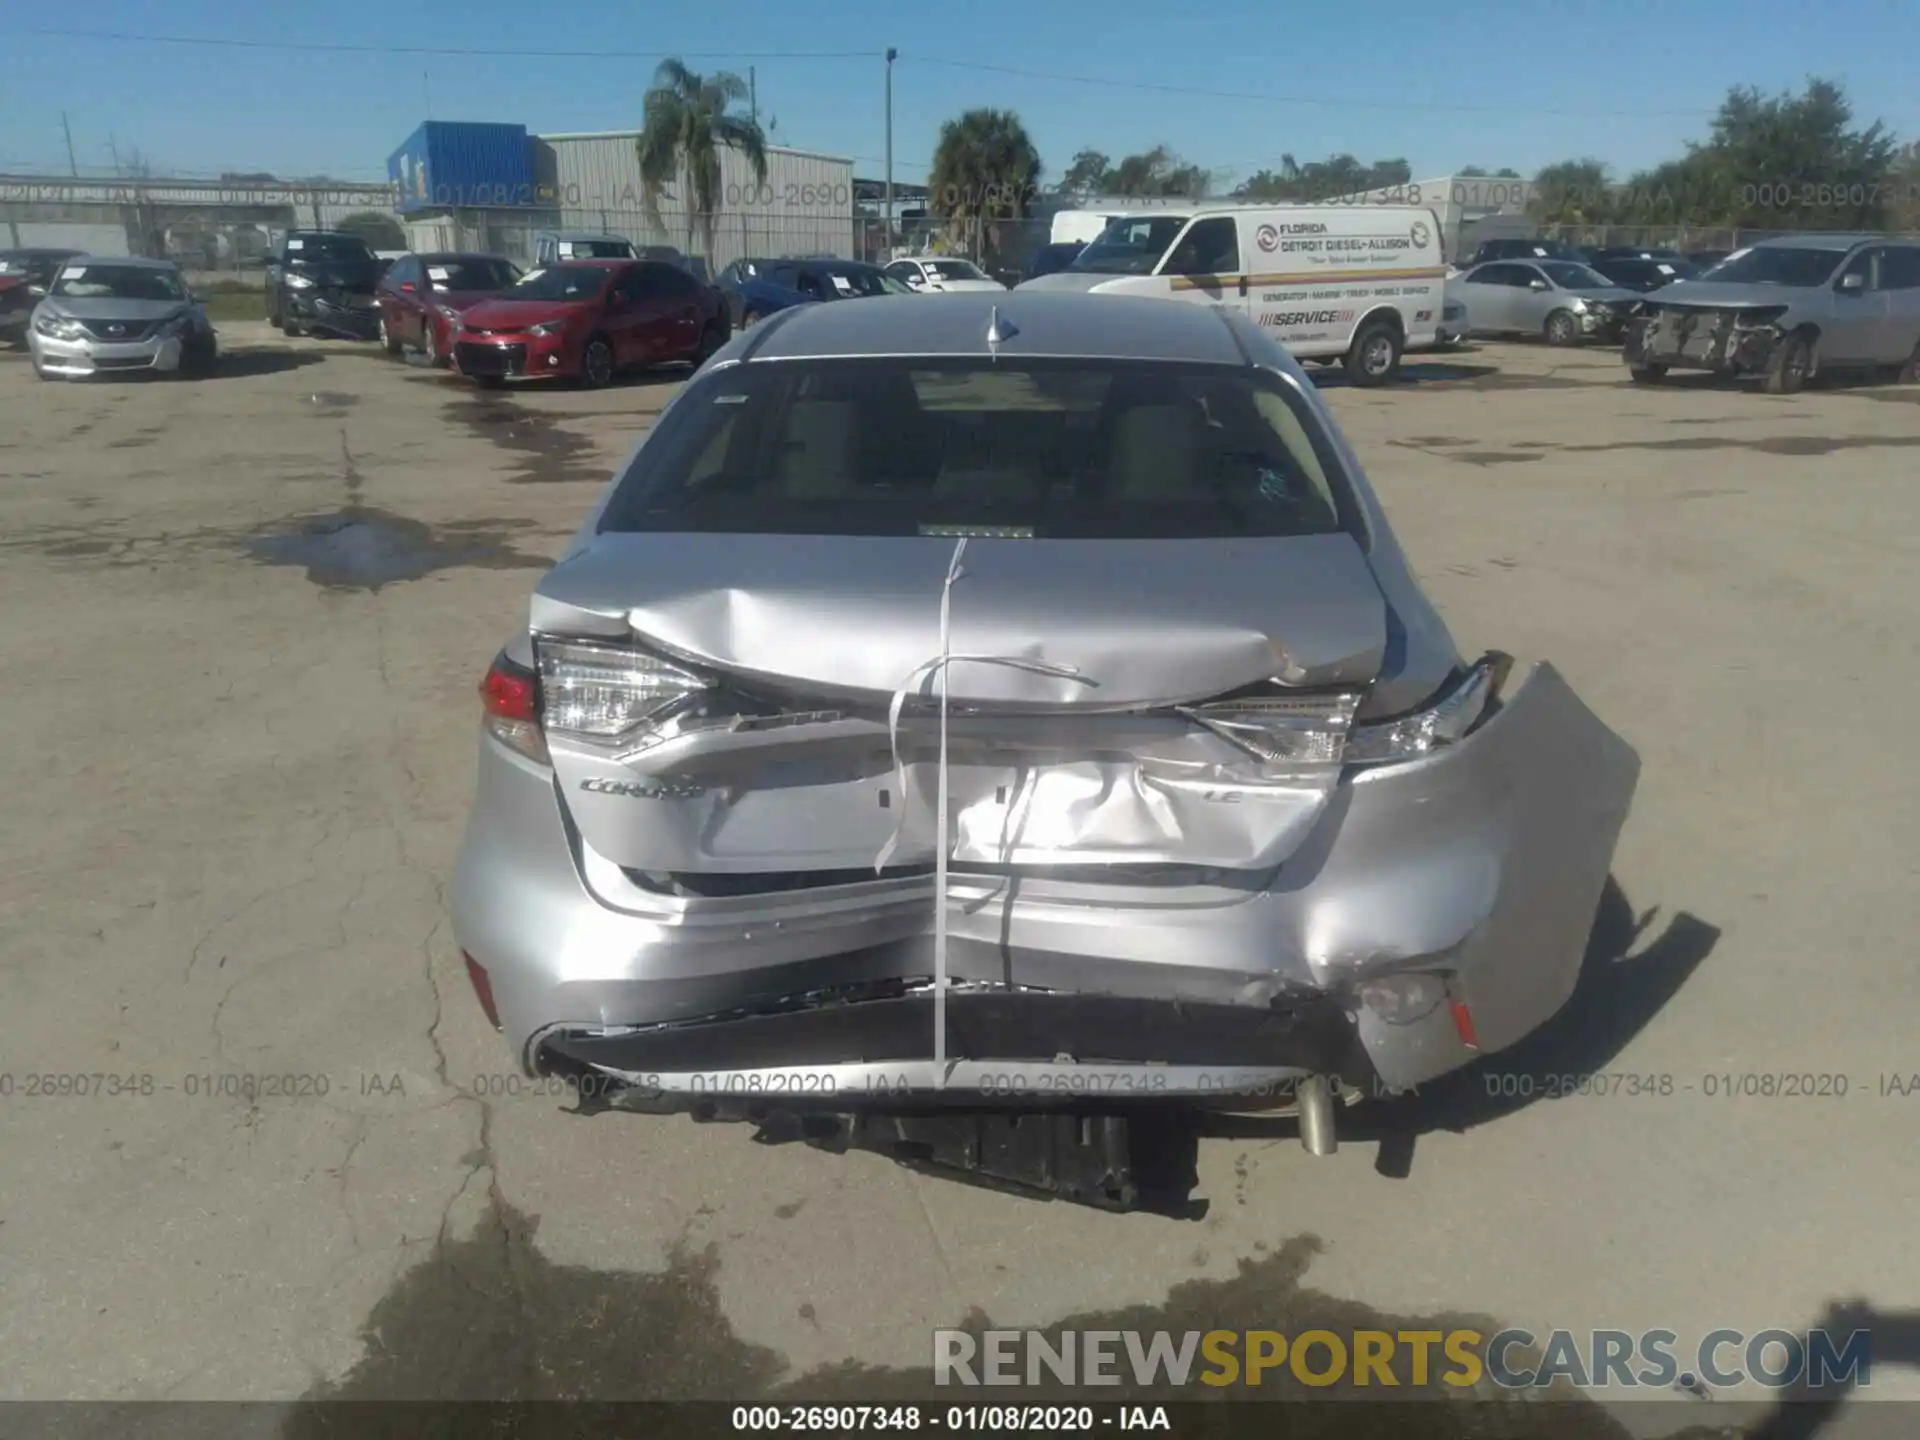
(509, 692)
(510, 696)
(482, 989)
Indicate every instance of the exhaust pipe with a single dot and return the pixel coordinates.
(1315, 1098)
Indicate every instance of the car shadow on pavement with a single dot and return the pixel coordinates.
(1805, 1410)
(1617, 995)
(236, 364)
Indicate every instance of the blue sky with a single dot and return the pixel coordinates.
(1487, 82)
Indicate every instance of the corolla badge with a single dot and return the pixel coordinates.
(641, 790)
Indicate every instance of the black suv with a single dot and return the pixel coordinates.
(324, 280)
(25, 277)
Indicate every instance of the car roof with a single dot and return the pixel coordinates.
(1034, 322)
(603, 262)
(1819, 241)
(583, 235)
(456, 255)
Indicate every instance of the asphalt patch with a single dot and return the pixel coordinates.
(363, 548)
(546, 454)
(489, 1318)
(1801, 445)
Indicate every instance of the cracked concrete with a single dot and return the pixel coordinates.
(234, 798)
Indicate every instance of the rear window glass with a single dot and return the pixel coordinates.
(1050, 449)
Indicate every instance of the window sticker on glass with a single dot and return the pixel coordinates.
(531, 276)
(296, 245)
(74, 272)
(842, 284)
(1540, 250)
(437, 272)
(1665, 269)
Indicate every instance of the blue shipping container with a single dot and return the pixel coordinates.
(457, 164)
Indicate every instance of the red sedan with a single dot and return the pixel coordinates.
(587, 320)
(421, 298)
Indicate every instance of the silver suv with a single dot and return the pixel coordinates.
(1783, 310)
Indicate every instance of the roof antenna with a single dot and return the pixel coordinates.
(998, 331)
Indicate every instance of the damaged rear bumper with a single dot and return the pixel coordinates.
(1480, 864)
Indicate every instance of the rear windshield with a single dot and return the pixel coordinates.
(595, 250)
(956, 270)
(1049, 449)
(1569, 276)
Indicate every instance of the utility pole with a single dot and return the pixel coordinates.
(73, 166)
(114, 145)
(426, 88)
(892, 55)
(753, 95)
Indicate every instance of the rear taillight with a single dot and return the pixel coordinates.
(510, 697)
(610, 694)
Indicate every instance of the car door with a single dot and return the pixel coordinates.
(1534, 298)
(677, 296)
(399, 299)
(630, 319)
(1488, 295)
(1900, 279)
(1856, 333)
(1205, 265)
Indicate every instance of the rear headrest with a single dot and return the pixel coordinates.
(1156, 453)
(816, 452)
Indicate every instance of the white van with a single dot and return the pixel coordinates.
(1364, 283)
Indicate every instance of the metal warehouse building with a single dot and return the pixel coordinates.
(494, 186)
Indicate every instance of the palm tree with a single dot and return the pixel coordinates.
(686, 126)
(985, 169)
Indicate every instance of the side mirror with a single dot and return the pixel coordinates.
(1537, 285)
(1852, 284)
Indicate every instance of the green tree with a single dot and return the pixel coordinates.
(380, 231)
(1573, 192)
(1318, 180)
(985, 172)
(1793, 162)
(1086, 174)
(688, 121)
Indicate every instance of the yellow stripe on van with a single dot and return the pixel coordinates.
(1316, 277)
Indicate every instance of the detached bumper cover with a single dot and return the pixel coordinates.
(1484, 861)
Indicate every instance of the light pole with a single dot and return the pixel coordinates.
(892, 55)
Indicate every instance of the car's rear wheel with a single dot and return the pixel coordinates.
(596, 363)
(1374, 357)
(430, 345)
(1562, 328)
(711, 339)
(274, 317)
(389, 341)
(1789, 366)
(1910, 372)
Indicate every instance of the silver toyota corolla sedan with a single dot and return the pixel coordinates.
(1023, 696)
(114, 313)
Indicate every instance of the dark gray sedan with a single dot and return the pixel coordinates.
(1020, 697)
(1562, 300)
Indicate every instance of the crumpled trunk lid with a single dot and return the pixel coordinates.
(1097, 767)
